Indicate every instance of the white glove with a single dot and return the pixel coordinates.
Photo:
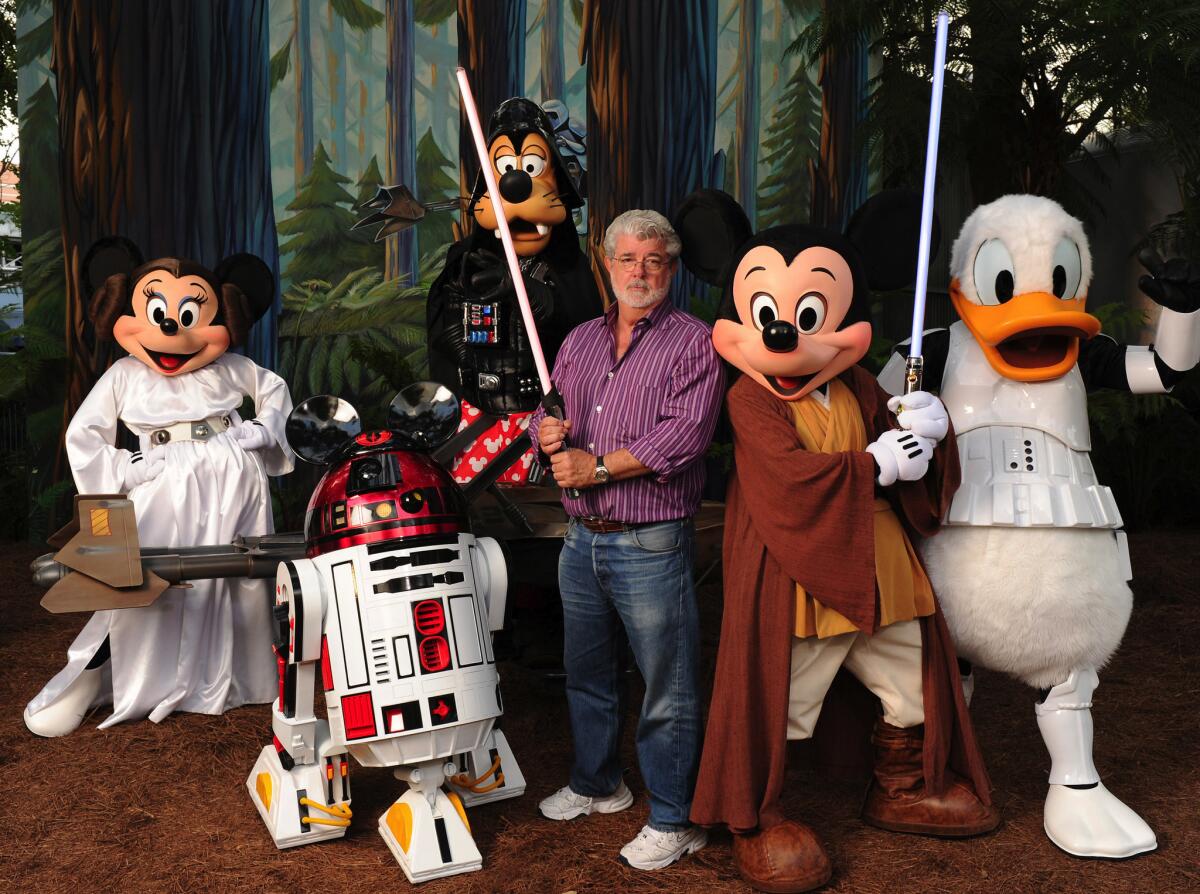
(922, 414)
(900, 455)
(143, 467)
(252, 435)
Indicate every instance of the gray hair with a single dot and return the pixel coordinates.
(642, 225)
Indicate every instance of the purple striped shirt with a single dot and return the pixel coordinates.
(660, 401)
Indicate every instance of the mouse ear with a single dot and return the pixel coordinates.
(107, 257)
(320, 427)
(424, 415)
(253, 277)
(886, 231)
(712, 226)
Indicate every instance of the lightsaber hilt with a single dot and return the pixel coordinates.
(914, 373)
(553, 403)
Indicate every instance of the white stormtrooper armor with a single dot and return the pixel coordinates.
(1024, 449)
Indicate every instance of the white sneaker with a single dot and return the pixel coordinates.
(63, 715)
(566, 804)
(654, 850)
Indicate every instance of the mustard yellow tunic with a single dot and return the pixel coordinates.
(904, 590)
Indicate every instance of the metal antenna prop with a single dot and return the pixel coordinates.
(550, 398)
(914, 366)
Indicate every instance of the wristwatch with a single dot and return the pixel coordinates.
(601, 475)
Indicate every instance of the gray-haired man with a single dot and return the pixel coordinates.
(642, 388)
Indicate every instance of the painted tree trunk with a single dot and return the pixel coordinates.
(302, 70)
(648, 146)
(839, 177)
(401, 137)
(335, 54)
(552, 51)
(137, 161)
(444, 88)
(491, 47)
(365, 149)
(745, 134)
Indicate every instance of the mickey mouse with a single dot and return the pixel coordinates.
(200, 477)
(820, 573)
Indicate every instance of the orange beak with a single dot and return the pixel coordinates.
(1032, 337)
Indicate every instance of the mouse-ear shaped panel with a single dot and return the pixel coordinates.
(424, 415)
(321, 426)
(712, 226)
(886, 231)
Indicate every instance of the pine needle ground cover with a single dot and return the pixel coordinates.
(163, 808)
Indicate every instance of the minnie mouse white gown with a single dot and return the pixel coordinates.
(208, 648)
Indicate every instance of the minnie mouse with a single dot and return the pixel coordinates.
(200, 477)
(820, 573)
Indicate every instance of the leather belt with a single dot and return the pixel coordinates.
(598, 525)
(200, 430)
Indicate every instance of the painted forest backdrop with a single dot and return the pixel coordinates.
(202, 129)
(206, 128)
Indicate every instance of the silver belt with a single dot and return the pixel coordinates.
(201, 430)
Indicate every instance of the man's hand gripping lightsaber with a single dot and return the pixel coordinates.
(551, 400)
(915, 365)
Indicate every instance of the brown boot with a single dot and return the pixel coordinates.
(784, 859)
(899, 802)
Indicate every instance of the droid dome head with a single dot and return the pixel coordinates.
(380, 486)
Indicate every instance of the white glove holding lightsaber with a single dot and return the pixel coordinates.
(922, 414)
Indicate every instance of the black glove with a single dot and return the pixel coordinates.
(484, 275)
(488, 281)
(1175, 284)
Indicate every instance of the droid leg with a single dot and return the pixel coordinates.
(490, 772)
(301, 803)
(1082, 817)
(427, 829)
(301, 782)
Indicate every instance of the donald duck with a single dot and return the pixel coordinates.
(1031, 566)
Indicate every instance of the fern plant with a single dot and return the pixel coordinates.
(346, 339)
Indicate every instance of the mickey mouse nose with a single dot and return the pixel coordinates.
(168, 326)
(780, 336)
(516, 186)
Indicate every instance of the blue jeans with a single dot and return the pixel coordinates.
(641, 579)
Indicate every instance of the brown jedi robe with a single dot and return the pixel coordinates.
(794, 516)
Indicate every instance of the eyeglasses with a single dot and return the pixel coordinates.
(652, 264)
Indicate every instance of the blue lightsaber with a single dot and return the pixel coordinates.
(914, 367)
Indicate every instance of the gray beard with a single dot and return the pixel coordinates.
(637, 299)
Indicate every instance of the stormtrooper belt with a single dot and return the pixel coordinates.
(201, 430)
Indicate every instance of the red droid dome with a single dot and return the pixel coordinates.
(380, 487)
(381, 493)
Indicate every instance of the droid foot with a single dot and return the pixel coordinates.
(490, 773)
(430, 840)
(63, 716)
(1092, 822)
(302, 805)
